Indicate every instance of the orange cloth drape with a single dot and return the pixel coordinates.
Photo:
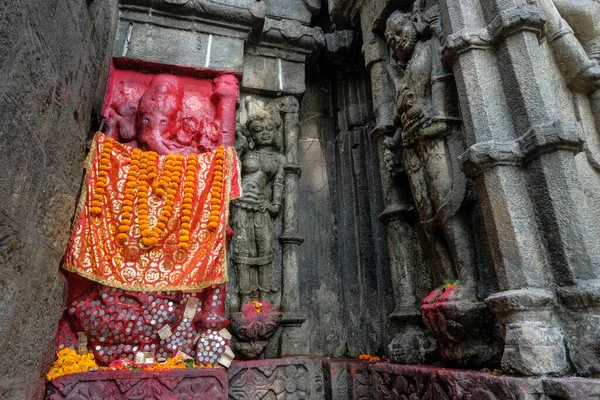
(94, 253)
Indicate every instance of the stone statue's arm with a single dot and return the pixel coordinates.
(278, 186)
(581, 73)
(396, 73)
(444, 99)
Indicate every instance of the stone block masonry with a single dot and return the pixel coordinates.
(53, 55)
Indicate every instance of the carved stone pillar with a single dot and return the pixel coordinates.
(411, 344)
(521, 157)
(293, 338)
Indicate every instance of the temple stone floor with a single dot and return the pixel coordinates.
(318, 378)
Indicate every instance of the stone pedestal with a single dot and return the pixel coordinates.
(201, 384)
(533, 343)
(581, 318)
(466, 331)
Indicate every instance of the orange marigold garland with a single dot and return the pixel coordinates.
(130, 195)
(189, 186)
(143, 181)
(102, 180)
(216, 190)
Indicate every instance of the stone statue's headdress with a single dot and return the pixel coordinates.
(253, 110)
(164, 94)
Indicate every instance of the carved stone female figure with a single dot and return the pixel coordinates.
(252, 215)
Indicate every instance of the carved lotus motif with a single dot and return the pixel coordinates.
(253, 327)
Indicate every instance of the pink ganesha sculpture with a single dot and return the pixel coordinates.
(118, 322)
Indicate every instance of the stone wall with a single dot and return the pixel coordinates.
(53, 62)
(345, 287)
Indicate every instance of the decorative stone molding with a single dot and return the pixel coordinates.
(204, 384)
(287, 32)
(520, 18)
(298, 377)
(559, 135)
(404, 381)
(245, 15)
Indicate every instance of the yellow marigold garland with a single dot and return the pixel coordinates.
(69, 362)
(143, 175)
(130, 195)
(189, 186)
(216, 190)
(168, 180)
(102, 180)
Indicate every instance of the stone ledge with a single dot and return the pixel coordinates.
(208, 384)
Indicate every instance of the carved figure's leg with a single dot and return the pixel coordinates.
(243, 250)
(263, 229)
(448, 186)
(422, 197)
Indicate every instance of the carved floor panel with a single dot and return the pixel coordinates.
(284, 378)
(194, 384)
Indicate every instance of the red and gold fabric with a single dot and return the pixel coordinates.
(94, 251)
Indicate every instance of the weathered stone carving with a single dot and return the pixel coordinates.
(573, 30)
(260, 139)
(254, 326)
(205, 384)
(429, 142)
(291, 378)
(413, 382)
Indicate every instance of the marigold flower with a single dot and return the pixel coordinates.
(95, 210)
(186, 212)
(184, 238)
(122, 238)
(213, 225)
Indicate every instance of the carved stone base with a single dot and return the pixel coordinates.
(346, 379)
(403, 381)
(581, 316)
(466, 330)
(412, 345)
(532, 340)
(201, 384)
(281, 378)
(357, 380)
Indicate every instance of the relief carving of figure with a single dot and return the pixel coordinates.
(252, 216)
(573, 31)
(428, 141)
(163, 119)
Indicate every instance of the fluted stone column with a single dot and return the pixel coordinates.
(521, 157)
(294, 341)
